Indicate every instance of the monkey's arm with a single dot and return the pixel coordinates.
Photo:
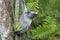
(23, 5)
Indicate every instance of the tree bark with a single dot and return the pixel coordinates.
(16, 19)
(6, 9)
(16, 12)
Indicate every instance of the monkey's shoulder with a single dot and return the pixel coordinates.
(25, 20)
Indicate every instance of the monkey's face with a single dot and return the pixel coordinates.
(31, 15)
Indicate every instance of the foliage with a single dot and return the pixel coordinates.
(18, 26)
(45, 26)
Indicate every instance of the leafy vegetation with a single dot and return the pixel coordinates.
(46, 26)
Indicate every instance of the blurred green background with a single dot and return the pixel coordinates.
(47, 24)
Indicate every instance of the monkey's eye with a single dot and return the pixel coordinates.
(28, 12)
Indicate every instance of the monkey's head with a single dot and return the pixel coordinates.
(31, 15)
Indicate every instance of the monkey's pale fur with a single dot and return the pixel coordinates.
(26, 18)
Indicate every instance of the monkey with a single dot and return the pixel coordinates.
(26, 18)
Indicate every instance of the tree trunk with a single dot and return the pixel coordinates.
(6, 9)
(16, 12)
(16, 19)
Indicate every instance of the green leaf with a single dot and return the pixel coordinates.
(18, 26)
